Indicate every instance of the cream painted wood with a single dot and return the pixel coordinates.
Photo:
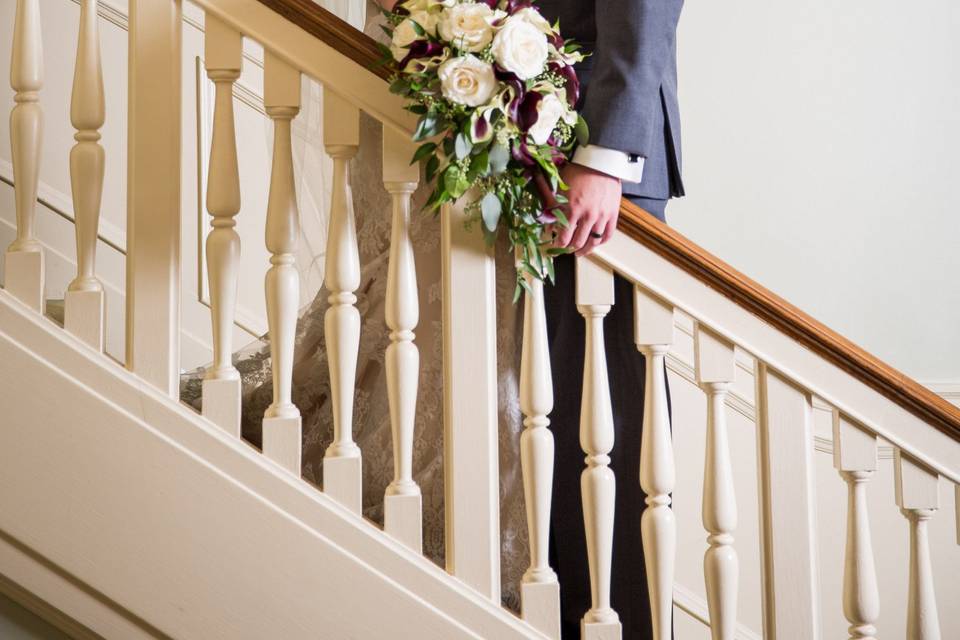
(210, 513)
(153, 193)
(84, 300)
(855, 458)
(223, 60)
(956, 508)
(342, 471)
(24, 260)
(716, 365)
(917, 495)
(654, 323)
(540, 590)
(281, 421)
(791, 604)
(470, 423)
(402, 509)
(594, 298)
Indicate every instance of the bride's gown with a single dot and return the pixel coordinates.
(371, 427)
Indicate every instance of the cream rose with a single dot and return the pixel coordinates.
(521, 48)
(533, 17)
(467, 80)
(467, 26)
(549, 111)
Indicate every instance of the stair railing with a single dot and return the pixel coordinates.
(796, 358)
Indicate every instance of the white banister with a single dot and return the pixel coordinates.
(654, 323)
(402, 508)
(84, 299)
(342, 472)
(153, 193)
(223, 57)
(716, 368)
(470, 421)
(791, 602)
(282, 422)
(917, 495)
(540, 590)
(855, 458)
(24, 261)
(595, 297)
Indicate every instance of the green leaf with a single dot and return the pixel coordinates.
(581, 131)
(425, 150)
(431, 169)
(454, 181)
(426, 127)
(462, 146)
(417, 28)
(490, 208)
(499, 157)
(478, 165)
(400, 85)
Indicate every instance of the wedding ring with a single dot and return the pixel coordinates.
(594, 234)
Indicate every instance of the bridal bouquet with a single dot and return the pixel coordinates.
(494, 87)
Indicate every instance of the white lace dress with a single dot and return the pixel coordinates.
(371, 413)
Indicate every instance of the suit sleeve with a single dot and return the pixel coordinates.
(636, 40)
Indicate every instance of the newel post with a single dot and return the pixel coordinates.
(471, 466)
(153, 193)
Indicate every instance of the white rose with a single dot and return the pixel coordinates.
(533, 17)
(521, 48)
(406, 34)
(467, 80)
(549, 112)
(467, 26)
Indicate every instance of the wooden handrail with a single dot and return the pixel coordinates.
(693, 259)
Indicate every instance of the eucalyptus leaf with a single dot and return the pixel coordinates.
(462, 146)
(581, 131)
(490, 208)
(499, 157)
(425, 150)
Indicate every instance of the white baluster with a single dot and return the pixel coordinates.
(24, 265)
(281, 423)
(787, 515)
(917, 496)
(716, 369)
(223, 49)
(597, 483)
(342, 476)
(654, 335)
(402, 503)
(855, 458)
(84, 300)
(540, 590)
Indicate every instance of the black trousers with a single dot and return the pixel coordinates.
(626, 369)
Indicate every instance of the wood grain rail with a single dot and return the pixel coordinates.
(679, 250)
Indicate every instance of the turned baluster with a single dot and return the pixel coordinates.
(540, 591)
(917, 496)
(281, 422)
(654, 335)
(221, 384)
(402, 502)
(24, 265)
(855, 458)
(716, 369)
(594, 297)
(342, 478)
(84, 299)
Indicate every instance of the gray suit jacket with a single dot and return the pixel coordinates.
(630, 82)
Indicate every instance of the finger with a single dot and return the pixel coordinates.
(565, 234)
(609, 229)
(582, 234)
(593, 241)
(546, 193)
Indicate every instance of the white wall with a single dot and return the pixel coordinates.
(820, 143)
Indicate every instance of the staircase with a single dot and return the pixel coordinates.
(126, 514)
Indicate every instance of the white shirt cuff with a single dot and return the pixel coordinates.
(610, 161)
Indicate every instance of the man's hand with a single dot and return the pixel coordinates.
(593, 209)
